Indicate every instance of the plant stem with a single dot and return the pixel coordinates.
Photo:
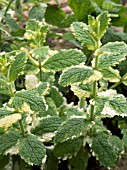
(94, 85)
(40, 69)
(82, 103)
(8, 6)
(10, 88)
(5, 13)
(115, 85)
(22, 127)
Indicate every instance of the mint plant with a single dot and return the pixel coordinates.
(37, 124)
(91, 83)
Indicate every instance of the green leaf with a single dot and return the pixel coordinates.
(16, 66)
(82, 90)
(124, 139)
(79, 161)
(103, 150)
(5, 112)
(80, 74)
(32, 150)
(83, 34)
(35, 32)
(32, 25)
(110, 74)
(113, 48)
(110, 105)
(117, 144)
(81, 8)
(40, 53)
(56, 96)
(64, 59)
(30, 68)
(57, 15)
(8, 140)
(68, 148)
(36, 102)
(111, 54)
(47, 124)
(124, 79)
(11, 23)
(3, 85)
(42, 89)
(102, 20)
(71, 129)
(115, 8)
(4, 160)
(51, 108)
(37, 12)
(52, 161)
(68, 20)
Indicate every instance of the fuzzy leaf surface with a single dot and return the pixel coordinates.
(48, 124)
(8, 140)
(51, 108)
(68, 148)
(37, 12)
(110, 74)
(64, 59)
(36, 102)
(16, 66)
(117, 144)
(82, 90)
(73, 128)
(79, 74)
(32, 150)
(83, 34)
(114, 48)
(103, 150)
(111, 106)
(40, 53)
(56, 96)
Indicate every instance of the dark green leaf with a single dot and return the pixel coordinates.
(64, 59)
(68, 148)
(81, 8)
(32, 150)
(17, 66)
(11, 23)
(8, 140)
(83, 34)
(4, 160)
(73, 128)
(79, 161)
(37, 12)
(103, 150)
(54, 15)
(48, 124)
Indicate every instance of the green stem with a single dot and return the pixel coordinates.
(22, 128)
(40, 69)
(5, 13)
(115, 85)
(94, 85)
(8, 6)
(82, 103)
(10, 88)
